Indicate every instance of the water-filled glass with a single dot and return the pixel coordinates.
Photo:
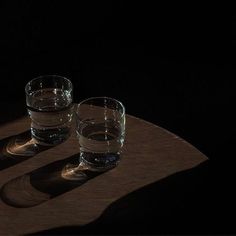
(49, 104)
(100, 131)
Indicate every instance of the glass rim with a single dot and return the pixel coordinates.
(50, 75)
(103, 97)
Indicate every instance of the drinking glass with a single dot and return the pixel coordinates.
(49, 104)
(101, 132)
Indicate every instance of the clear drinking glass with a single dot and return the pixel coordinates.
(49, 104)
(101, 133)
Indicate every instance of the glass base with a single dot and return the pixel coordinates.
(50, 137)
(100, 162)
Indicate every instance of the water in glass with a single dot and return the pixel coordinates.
(51, 113)
(100, 143)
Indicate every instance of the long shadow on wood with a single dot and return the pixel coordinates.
(43, 184)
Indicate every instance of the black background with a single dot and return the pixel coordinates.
(168, 63)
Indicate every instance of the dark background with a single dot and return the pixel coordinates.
(169, 64)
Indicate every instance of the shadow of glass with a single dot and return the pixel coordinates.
(183, 203)
(18, 148)
(43, 184)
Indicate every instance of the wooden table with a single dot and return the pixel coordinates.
(150, 154)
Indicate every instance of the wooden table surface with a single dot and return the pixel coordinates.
(34, 196)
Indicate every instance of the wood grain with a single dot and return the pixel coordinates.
(150, 153)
